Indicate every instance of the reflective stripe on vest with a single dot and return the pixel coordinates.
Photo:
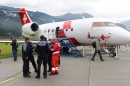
(55, 52)
(57, 68)
(53, 69)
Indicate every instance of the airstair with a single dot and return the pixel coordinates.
(67, 46)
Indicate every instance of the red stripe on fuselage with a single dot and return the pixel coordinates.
(74, 41)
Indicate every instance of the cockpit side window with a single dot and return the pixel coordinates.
(110, 24)
(98, 24)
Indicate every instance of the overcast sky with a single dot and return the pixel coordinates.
(117, 9)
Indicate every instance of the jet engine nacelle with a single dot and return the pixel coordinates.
(30, 28)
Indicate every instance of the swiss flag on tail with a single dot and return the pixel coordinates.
(24, 17)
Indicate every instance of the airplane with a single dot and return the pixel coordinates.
(80, 31)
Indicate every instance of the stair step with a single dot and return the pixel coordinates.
(71, 47)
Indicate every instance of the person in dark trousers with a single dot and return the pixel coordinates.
(42, 50)
(14, 48)
(97, 50)
(30, 55)
(25, 57)
(50, 54)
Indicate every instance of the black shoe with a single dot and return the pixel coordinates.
(35, 70)
(92, 59)
(51, 74)
(27, 76)
(37, 77)
(49, 71)
(29, 72)
(102, 60)
(45, 77)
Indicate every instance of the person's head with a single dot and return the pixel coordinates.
(42, 37)
(55, 39)
(45, 38)
(12, 38)
(51, 39)
(99, 39)
(27, 39)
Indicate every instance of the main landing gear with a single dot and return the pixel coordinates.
(112, 54)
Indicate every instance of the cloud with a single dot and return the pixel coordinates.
(112, 8)
(51, 6)
(97, 8)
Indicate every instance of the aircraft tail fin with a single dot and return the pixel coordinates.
(24, 17)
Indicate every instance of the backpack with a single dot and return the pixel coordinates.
(17, 44)
(94, 44)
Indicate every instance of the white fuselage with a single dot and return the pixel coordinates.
(116, 35)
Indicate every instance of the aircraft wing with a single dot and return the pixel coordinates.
(17, 41)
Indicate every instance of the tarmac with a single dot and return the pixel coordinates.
(79, 71)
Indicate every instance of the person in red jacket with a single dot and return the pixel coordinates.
(55, 57)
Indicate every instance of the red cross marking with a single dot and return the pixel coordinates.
(102, 37)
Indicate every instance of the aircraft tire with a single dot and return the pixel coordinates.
(112, 54)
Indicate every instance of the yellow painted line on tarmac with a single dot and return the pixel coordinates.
(9, 84)
(9, 79)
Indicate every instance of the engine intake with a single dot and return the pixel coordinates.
(30, 28)
(34, 27)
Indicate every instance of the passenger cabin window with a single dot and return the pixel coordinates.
(98, 24)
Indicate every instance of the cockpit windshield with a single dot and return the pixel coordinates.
(110, 24)
(103, 24)
(98, 24)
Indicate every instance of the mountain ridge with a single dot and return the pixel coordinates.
(10, 24)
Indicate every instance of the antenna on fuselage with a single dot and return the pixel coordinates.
(53, 21)
(83, 17)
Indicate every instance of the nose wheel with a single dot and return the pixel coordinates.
(112, 54)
